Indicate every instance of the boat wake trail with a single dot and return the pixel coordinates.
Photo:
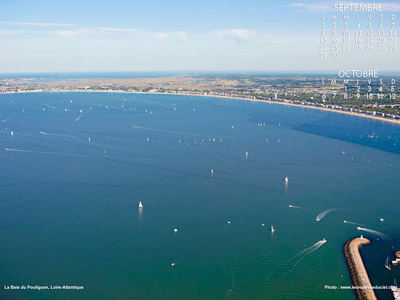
(64, 135)
(294, 206)
(303, 254)
(49, 106)
(33, 151)
(354, 223)
(162, 130)
(5, 120)
(377, 233)
(324, 213)
(19, 150)
(311, 249)
(315, 247)
(80, 116)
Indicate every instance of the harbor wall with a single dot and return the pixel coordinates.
(357, 269)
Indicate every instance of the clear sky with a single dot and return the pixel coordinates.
(154, 35)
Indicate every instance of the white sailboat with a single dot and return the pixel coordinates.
(387, 265)
(272, 228)
(286, 179)
(140, 204)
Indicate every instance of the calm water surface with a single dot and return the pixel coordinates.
(69, 206)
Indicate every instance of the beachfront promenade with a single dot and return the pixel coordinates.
(357, 269)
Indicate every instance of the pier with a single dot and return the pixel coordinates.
(357, 269)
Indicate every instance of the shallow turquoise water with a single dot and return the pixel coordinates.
(68, 207)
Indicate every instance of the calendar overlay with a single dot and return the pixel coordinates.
(356, 28)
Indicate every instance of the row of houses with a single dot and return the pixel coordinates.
(341, 108)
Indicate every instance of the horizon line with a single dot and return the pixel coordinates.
(182, 72)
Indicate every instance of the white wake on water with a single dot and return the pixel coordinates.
(377, 233)
(354, 223)
(316, 246)
(324, 213)
(303, 254)
(49, 106)
(63, 135)
(19, 150)
(162, 130)
(10, 118)
(34, 151)
(294, 206)
(80, 116)
(311, 249)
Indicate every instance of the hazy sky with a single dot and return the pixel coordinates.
(152, 35)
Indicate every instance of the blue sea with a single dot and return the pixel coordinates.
(74, 167)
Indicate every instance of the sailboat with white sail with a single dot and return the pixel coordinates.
(387, 265)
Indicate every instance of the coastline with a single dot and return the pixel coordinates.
(363, 115)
